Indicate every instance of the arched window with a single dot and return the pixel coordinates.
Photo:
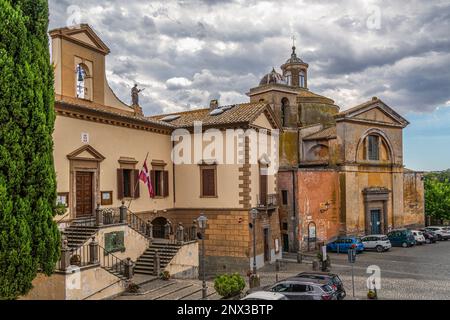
(373, 147)
(83, 82)
(285, 111)
(288, 77)
(302, 79)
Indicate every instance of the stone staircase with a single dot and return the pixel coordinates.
(289, 256)
(79, 232)
(145, 263)
(158, 289)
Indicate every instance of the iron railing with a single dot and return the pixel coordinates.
(267, 201)
(110, 262)
(78, 257)
(138, 224)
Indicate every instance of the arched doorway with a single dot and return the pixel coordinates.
(158, 227)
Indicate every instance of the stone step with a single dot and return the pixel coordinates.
(197, 294)
(151, 258)
(161, 293)
(143, 271)
(178, 294)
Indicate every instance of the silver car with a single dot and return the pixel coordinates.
(378, 242)
(442, 233)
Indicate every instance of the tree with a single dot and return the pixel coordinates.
(437, 196)
(29, 239)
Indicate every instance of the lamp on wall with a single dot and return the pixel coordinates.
(325, 206)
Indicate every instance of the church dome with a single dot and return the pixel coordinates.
(273, 78)
(294, 59)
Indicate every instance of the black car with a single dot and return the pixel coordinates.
(332, 279)
(429, 236)
(305, 289)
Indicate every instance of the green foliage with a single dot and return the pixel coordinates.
(29, 238)
(437, 195)
(229, 285)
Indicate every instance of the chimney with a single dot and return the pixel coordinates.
(214, 104)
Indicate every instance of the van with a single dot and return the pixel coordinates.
(401, 238)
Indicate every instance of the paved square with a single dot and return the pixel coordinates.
(417, 273)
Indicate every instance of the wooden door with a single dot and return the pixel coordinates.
(84, 194)
(266, 245)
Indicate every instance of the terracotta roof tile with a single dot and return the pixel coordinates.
(327, 133)
(241, 113)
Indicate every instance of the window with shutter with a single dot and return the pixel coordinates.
(120, 184)
(165, 183)
(263, 188)
(208, 181)
(135, 184)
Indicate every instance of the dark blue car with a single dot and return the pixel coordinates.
(343, 244)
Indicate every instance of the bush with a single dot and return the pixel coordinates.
(165, 275)
(229, 285)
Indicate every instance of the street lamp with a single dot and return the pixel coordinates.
(202, 221)
(254, 213)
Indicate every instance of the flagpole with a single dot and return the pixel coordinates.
(137, 182)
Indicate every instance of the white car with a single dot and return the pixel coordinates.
(265, 295)
(419, 237)
(377, 242)
(442, 233)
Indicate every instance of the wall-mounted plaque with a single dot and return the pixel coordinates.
(107, 198)
(115, 242)
(63, 198)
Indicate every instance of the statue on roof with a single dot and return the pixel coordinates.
(135, 95)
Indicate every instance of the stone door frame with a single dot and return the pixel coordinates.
(376, 199)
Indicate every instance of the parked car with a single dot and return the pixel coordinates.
(344, 244)
(401, 238)
(378, 242)
(333, 280)
(442, 233)
(430, 236)
(264, 295)
(305, 289)
(419, 237)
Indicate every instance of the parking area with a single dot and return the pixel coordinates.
(416, 273)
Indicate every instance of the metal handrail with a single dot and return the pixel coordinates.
(137, 224)
(112, 262)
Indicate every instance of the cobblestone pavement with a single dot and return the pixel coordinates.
(417, 273)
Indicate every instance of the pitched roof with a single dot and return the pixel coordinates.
(374, 103)
(238, 114)
(90, 107)
(327, 133)
(69, 32)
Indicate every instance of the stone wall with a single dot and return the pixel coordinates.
(319, 203)
(413, 199)
(228, 238)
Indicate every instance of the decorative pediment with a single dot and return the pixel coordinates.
(86, 153)
(266, 118)
(84, 35)
(375, 111)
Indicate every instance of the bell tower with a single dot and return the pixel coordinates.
(295, 70)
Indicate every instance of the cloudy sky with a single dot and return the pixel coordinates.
(187, 52)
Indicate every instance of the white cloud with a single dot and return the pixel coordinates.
(188, 52)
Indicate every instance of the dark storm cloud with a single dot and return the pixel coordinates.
(187, 52)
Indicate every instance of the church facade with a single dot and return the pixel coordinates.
(341, 172)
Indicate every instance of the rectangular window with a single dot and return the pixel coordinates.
(263, 186)
(284, 196)
(127, 183)
(373, 147)
(208, 181)
(160, 182)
